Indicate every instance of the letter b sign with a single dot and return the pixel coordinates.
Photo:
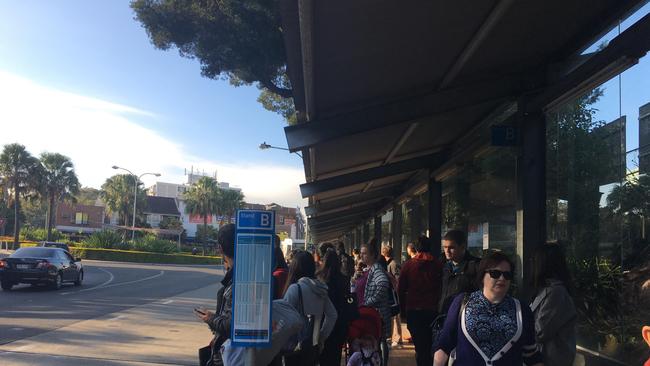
(265, 220)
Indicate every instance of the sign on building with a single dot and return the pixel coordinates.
(252, 294)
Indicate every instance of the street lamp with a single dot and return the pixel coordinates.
(135, 194)
(264, 146)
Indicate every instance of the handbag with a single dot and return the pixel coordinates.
(205, 356)
(305, 352)
(350, 309)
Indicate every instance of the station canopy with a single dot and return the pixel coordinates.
(390, 93)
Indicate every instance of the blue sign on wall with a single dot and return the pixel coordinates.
(504, 135)
(252, 287)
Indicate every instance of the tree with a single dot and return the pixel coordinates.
(171, 223)
(60, 183)
(87, 196)
(20, 172)
(231, 201)
(203, 199)
(117, 194)
(240, 41)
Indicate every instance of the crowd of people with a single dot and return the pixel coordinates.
(455, 307)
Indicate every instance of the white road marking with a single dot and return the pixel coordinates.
(110, 279)
(168, 302)
(116, 318)
(22, 348)
(18, 329)
(130, 282)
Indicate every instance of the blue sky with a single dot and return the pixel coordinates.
(97, 50)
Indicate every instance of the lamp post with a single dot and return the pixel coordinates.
(135, 194)
(264, 146)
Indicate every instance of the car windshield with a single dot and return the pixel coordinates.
(34, 253)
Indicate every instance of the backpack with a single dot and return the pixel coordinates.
(439, 322)
(393, 298)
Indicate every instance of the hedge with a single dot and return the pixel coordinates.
(141, 257)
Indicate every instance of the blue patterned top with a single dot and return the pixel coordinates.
(491, 326)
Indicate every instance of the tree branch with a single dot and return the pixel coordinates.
(283, 92)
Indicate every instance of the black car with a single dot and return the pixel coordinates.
(40, 265)
(51, 244)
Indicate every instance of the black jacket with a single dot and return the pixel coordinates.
(455, 283)
(220, 322)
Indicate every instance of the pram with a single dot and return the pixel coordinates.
(363, 338)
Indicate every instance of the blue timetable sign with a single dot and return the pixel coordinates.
(252, 288)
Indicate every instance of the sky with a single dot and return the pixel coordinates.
(81, 78)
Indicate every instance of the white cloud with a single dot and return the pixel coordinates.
(98, 134)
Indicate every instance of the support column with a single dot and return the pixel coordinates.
(366, 232)
(415, 219)
(531, 193)
(377, 229)
(435, 215)
(397, 232)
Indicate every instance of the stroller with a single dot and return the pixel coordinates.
(364, 334)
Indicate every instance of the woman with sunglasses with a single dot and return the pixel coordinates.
(488, 326)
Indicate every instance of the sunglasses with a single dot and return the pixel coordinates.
(496, 274)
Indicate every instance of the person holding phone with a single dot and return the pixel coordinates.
(219, 321)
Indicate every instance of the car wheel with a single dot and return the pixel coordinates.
(80, 277)
(6, 285)
(58, 282)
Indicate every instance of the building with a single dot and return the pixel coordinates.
(75, 218)
(517, 122)
(175, 191)
(288, 220)
(159, 208)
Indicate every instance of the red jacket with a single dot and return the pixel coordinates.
(279, 281)
(419, 283)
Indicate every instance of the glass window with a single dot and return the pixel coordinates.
(81, 218)
(481, 201)
(598, 203)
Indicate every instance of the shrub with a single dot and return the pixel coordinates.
(149, 243)
(142, 257)
(39, 234)
(107, 239)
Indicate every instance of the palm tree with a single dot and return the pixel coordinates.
(203, 199)
(60, 183)
(231, 201)
(21, 173)
(117, 194)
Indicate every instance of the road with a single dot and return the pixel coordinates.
(123, 314)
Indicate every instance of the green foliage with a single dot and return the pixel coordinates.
(149, 243)
(107, 239)
(203, 198)
(206, 233)
(230, 201)
(236, 40)
(171, 223)
(87, 196)
(117, 193)
(39, 234)
(33, 212)
(21, 173)
(59, 182)
(277, 103)
(141, 257)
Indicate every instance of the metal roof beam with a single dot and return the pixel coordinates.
(409, 108)
(619, 55)
(321, 208)
(431, 161)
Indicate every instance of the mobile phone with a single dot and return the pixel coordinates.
(197, 310)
